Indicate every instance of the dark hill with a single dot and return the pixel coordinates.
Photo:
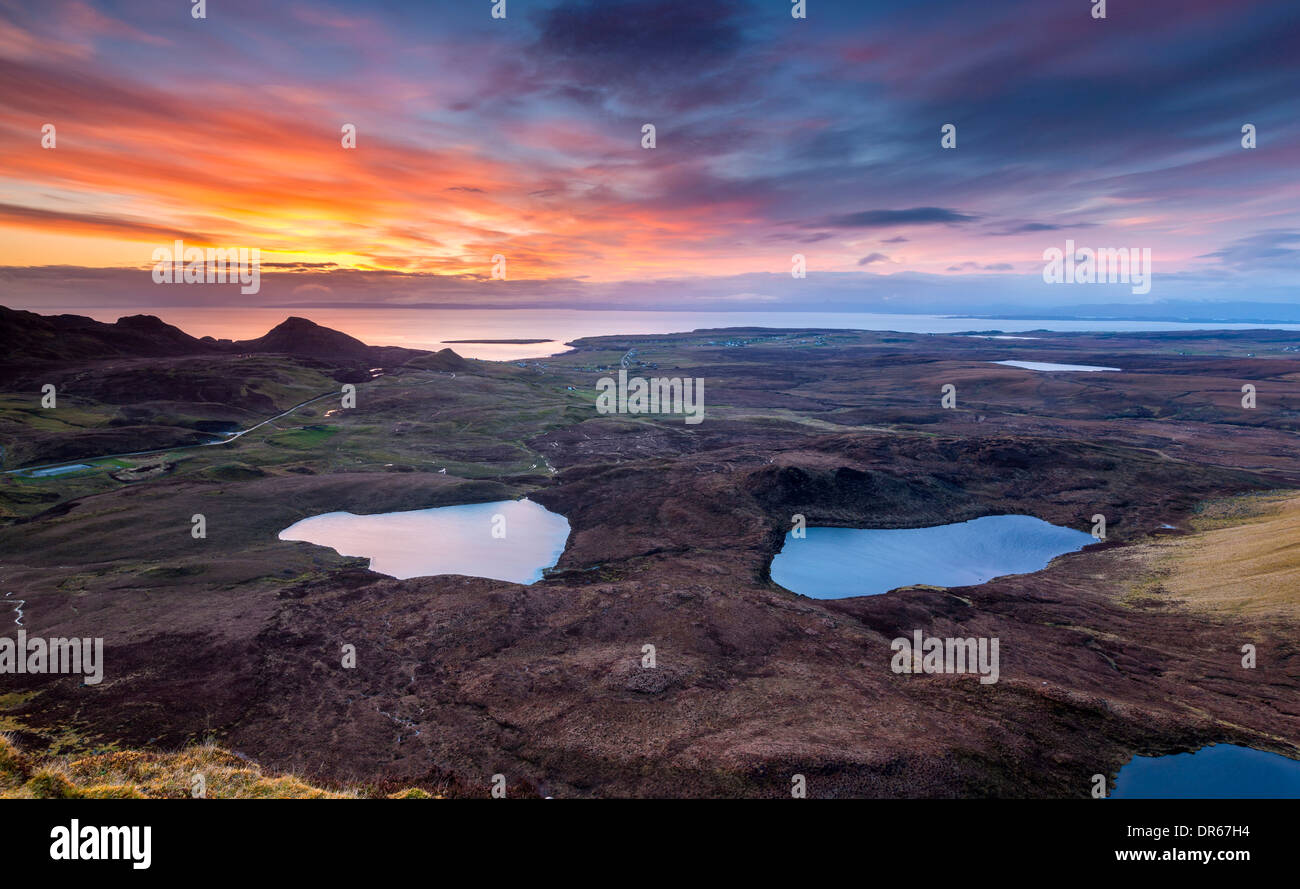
(443, 359)
(29, 338)
(298, 336)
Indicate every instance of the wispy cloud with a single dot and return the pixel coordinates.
(523, 137)
(892, 218)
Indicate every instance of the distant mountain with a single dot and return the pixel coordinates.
(298, 336)
(31, 338)
(28, 336)
(443, 359)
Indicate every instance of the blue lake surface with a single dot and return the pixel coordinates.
(446, 539)
(835, 563)
(1221, 771)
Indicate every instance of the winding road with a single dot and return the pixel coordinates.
(206, 444)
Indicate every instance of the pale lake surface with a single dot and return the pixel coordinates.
(835, 563)
(425, 328)
(1221, 771)
(1047, 365)
(445, 539)
(57, 470)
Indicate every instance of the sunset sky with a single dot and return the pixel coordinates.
(775, 136)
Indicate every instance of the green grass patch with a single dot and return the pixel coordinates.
(305, 438)
(233, 472)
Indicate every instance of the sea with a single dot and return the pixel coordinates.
(437, 328)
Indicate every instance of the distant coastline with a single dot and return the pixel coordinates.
(501, 342)
(530, 333)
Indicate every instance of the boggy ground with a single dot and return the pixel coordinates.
(238, 637)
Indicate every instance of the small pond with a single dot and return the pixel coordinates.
(1049, 366)
(1220, 771)
(510, 540)
(835, 563)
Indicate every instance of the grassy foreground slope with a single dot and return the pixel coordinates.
(140, 775)
(1240, 558)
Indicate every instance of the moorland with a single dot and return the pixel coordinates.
(1133, 645)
